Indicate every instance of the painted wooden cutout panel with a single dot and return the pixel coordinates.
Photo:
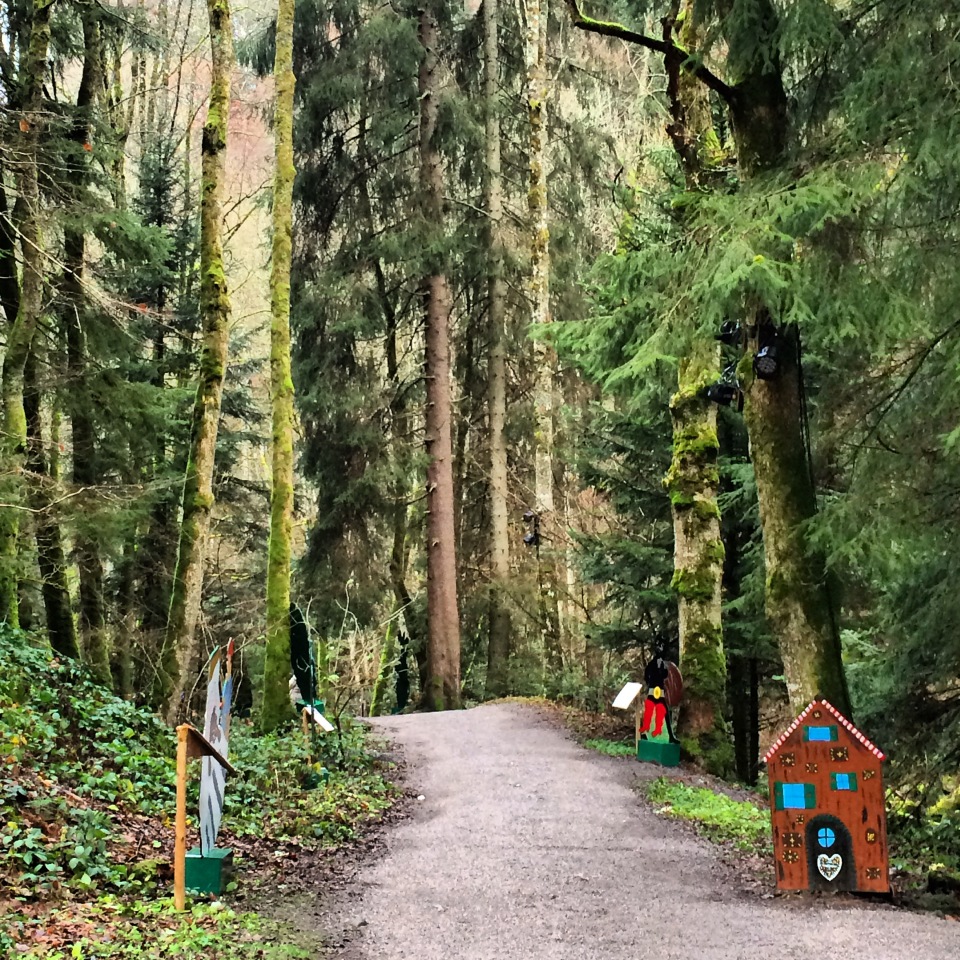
(827, 805)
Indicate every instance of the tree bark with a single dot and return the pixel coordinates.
(545, 360)
(276, 701)
(498, 649)
(95, 640)
(20, 335)
(61, 628)
(799, 604)
(180, 647)
(694, 473)
(443, 620)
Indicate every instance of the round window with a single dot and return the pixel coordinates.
(826, 837)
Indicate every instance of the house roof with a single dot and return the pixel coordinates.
(782, 739)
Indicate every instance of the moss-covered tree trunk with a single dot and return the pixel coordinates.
(800, 607)
(276, 701)
(799, 603)
(443, 619)
(20, 334)
(498, 648)
(694, 473)
(180, 649)
(94, 636)
(544, 357)
(51, 559)
(698, 560)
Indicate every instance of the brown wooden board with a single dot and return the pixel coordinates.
(827, 805)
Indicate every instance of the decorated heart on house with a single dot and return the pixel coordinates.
(829, 867)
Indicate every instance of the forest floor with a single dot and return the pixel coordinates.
(521, 842)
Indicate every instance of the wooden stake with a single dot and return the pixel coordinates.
(180, 846)
(190, 743)
(305, 717)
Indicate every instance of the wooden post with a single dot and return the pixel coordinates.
(190, 743)
(305, 718)
(180, 845)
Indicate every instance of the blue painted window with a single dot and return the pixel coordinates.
(795, 796)
(825, 734)
(843, 781)
(826, 837)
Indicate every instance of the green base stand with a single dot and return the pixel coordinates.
(208, 874)
(319, 704)
(657, 751)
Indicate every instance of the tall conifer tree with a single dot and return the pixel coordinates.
(498, 652)
(443, 617)
(180, 648)
(277, 667)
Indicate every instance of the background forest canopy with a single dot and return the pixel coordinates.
(691, 268)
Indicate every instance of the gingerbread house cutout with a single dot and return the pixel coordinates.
(827, 805)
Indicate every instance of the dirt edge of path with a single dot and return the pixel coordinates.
(304, 894)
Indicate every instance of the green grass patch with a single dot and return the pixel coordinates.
(716, 816)
(612, 748)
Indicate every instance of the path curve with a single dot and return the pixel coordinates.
(527, 845)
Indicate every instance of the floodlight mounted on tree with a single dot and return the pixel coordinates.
(730, 334)
(725, 391)
(766, 361)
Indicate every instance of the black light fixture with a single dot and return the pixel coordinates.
(766, 364)
(722, 393)
(729, 333)
(726, 391)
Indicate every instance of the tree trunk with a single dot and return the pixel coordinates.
(535, 53)
(51, 559)
(698, 560)
(180, 648)
(95, 640)
(276, 701)
(20, 334)
(443, 621)
(694, 474)
(498, 649)
(799, 605)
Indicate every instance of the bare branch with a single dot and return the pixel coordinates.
(671, 53)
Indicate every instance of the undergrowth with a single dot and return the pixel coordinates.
(715, 815)
(87, 798)
(612, 748)
(114, 929)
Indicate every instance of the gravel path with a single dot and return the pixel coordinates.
(527, 845)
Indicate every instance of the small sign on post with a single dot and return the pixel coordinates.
(191, 744)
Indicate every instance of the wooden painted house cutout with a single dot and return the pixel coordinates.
(827, 805)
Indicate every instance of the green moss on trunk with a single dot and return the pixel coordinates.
(179, 650)
(276, 704)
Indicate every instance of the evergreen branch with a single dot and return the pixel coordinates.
(671, 53)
